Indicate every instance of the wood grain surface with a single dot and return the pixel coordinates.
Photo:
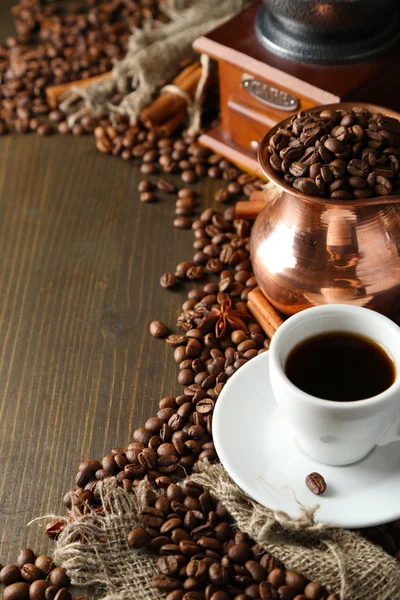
(80, 262)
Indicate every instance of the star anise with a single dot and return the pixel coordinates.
(223, 318)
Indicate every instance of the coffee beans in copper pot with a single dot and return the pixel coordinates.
(341, 154)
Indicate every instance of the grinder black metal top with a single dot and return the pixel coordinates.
(329, 31)
(280, 56)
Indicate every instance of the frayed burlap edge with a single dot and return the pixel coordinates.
(343, 561)
(105, 560)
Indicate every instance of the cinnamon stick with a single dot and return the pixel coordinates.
(55, 92)
(259, 196)
(167, 128)
(264, 312)
(248, 210)
(168, 104)
(258, 199)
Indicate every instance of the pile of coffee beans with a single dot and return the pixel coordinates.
(178, 155)
(221, 242)
(34, 578)
(203, 556)
(339, 154)
(58, 42)
(179, 436)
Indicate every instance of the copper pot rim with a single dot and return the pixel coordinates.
(268, 171)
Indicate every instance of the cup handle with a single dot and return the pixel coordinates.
(391, 435)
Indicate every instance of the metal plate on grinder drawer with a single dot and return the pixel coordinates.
(269, 95)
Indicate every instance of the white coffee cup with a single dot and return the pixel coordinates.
(334, 432)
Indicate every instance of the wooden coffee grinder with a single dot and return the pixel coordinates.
(278, 57)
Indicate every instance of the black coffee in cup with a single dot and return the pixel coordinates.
(340, 366)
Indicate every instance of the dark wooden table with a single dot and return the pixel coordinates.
(80, 262)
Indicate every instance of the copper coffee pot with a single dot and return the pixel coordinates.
(308, 251)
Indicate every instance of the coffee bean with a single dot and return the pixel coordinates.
(193, 489)
(234, 188)
(197, 570)
(26, 555)
(222, 195)
(58, 577)
(295, 580)
(182, 223)
(389, 124)
(384, 172)
(298, 169)
(168, 280)
(383, 186)
(338, 168)
(306, 186)
(357, 182)
(189, 176)
(62, 127)
(221, 595)
(205, 407)
(291, 153)
(239, 553)
(341, 195)
(37, 590)
(310, 157)
(276, 578)
(214, 172)
(218, 574)
(187, 193)
(267, 592)
(16, 591)
(145, 186)
(316, 483)
(194, 273)
(313, 591)
(175, 595)
(358, 167)
(166, 186)
(31, 573)
(168, 565)
(230, 173)
(86, 471)
(10, 574)
(165, 583)
(148, 197)
(51, 592)
(256, 570)
(286, 593)
(45, 129)
(166, 449)
(276, 161)
(334, 145)
(186, 377)
(158, 329)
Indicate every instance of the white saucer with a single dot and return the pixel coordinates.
(257, 448)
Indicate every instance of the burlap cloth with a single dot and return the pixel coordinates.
(153, 57)
(341, 560)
